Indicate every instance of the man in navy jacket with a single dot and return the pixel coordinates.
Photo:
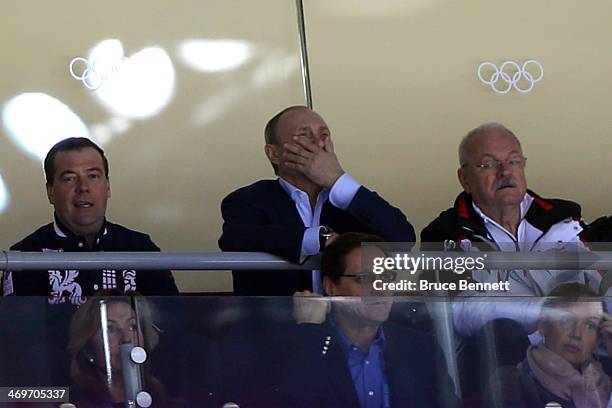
(78, 187)
(356, 358)
(296, 215)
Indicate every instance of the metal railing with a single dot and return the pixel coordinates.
(19, 261)
(16, 261)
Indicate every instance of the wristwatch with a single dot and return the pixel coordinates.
(324, 234)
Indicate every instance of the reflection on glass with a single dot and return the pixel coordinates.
(216, 105)
(135, 87)
(114, 127)
(215, 55)
(104, 349)
(4, 196)
(100, 329)
(381, 9)
(36, 121)
(276, 69)
(563, 366)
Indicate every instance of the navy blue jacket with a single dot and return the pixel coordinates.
(42, 302)
(262, 218)
(74, 286)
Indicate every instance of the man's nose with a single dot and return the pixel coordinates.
(503, 168)
(315, 137)
(83, 184)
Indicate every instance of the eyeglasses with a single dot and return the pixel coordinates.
(513, 163)
(361, 278)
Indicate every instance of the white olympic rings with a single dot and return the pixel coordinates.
(91, 77)
(511, 81)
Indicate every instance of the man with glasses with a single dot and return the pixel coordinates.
(496, 212)
(356, 358)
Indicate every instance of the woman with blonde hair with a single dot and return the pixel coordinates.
(561, 368)
(98, 329)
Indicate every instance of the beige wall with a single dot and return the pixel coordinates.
(395, 79)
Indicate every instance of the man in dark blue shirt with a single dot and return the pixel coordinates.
(357, 358)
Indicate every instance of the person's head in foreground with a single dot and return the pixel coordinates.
(346, 268)
(571, 325)
(97, 331)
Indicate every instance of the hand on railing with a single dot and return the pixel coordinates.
(310, 307)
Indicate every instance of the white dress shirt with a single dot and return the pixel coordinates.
(340, 195)
(469, 315)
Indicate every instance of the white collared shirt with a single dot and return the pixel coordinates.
(469, 316)
(340, 195)
(526, 233)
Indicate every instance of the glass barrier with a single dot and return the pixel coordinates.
(116, 350)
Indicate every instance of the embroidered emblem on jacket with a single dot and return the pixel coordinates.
(129, 280)
(109, 279)
(63, 287)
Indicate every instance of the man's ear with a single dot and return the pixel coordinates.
(50, 193)
(463, 179)
(329, 286)
(273, 153)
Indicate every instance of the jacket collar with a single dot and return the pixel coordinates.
(63, 232)
(542, 214)
(468, 220)
(336, 366)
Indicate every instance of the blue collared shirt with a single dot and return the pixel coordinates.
(340, 195)
(367, 370)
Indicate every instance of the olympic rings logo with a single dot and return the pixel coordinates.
(511, 79)
(94, 73)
